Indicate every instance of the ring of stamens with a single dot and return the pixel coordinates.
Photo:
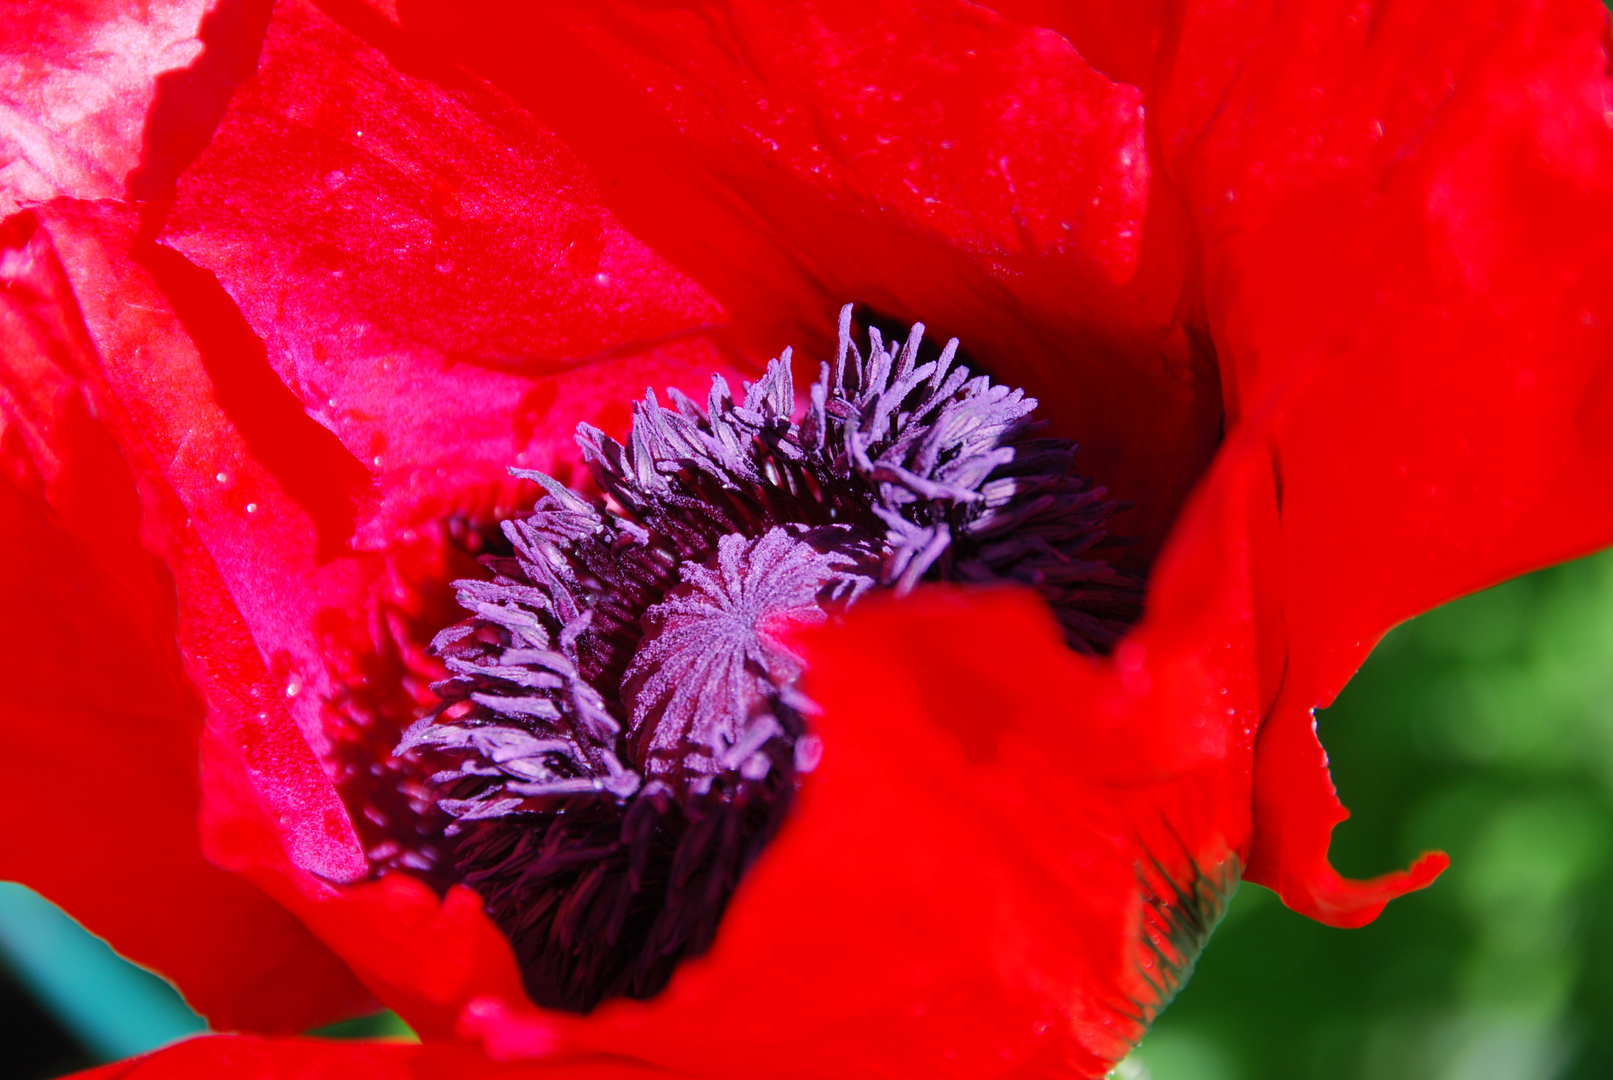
(622, 731)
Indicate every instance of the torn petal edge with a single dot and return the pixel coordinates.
(1295, 810)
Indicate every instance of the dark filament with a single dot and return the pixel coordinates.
(622, 733)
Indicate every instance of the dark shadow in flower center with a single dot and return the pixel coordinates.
(623, 733)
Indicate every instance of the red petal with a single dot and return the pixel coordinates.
(931, 160)
(250, 503)
(76, 83)
(236, 493)
(232, 537)
(96, 703)
(440, 963)
(1120, 40)
(1296, 808)
(1404, 221)
(963, 888)
(245, 1058)
(431, 270)
(293, 656)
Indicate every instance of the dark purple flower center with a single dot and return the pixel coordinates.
(623, 733)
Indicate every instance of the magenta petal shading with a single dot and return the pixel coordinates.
(98, 712)
(431, 271)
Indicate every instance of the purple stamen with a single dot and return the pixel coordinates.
(622, 732)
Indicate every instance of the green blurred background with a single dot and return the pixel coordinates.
(1484, 728)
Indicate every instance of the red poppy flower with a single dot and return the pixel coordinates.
(1318, 287)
